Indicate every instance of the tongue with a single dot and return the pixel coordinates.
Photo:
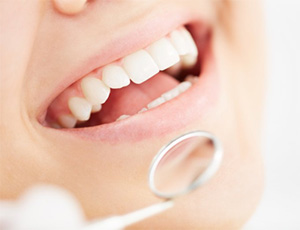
(131, 99)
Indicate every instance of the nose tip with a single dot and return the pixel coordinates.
(69, 7)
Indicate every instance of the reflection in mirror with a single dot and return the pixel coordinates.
(183, 164)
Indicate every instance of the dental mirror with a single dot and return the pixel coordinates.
(184, 164)
(180, 167)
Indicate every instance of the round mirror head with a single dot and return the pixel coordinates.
(184, 164)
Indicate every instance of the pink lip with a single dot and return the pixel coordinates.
(144, 32)
(171, 116)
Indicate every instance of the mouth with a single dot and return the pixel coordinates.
(158, 88)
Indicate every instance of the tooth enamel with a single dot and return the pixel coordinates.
(175, 69)
(156, 102)
(171, 94)
(176, 91)
(142, 110)
(140, 66)
(163, 53)
(122, 117)
(67, 121)
(55, 125)
(188, 60)
(191, 78)
(96, 108)
(80, 108)
(179, 42)
(174, 52)
(183, 86)
(94, 90)
(190, 42)
(115, 76)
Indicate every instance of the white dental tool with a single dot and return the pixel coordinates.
(120, 222)
(180, 167)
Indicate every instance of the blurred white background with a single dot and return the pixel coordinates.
(280, 206)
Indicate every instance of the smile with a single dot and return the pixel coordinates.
(155, 89)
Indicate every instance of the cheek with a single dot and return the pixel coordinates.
(241, 58)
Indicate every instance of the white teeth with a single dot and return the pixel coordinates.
(140, 66)
(171, 94)
(55, 125)
(94, 90)
(115, 77)
(188, 60)
(175, 69)
(96, 108)
(156, 102)
(142, 110)
(80, 108)
(176, 91)
(191, 78)
(163, 53)
(67, 121)
(122, 117)
(183, 86)
(190, 42)
(179, 42)
(171, 53)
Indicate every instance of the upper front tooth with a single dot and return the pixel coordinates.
(140, 66)
(94, 90)
(190, 42)
(179, 42)
(163, 53)
(80, 108)
(156, 102)
(115, 76)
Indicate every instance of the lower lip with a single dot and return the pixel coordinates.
(173, 115)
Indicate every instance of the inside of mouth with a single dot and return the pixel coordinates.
(134, 98)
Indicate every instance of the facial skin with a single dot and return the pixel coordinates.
(40, 45)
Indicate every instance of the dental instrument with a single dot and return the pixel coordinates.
(174, 159)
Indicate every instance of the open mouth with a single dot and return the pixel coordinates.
(134, 84)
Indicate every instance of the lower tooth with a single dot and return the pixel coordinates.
(142, 110)
(122, 117)
(171, 94)
(184, 86)
(191, 78)
(177, 90)
(156, 102)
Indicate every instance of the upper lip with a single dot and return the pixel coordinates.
(144, 32)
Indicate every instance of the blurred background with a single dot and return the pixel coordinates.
(280, 206)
